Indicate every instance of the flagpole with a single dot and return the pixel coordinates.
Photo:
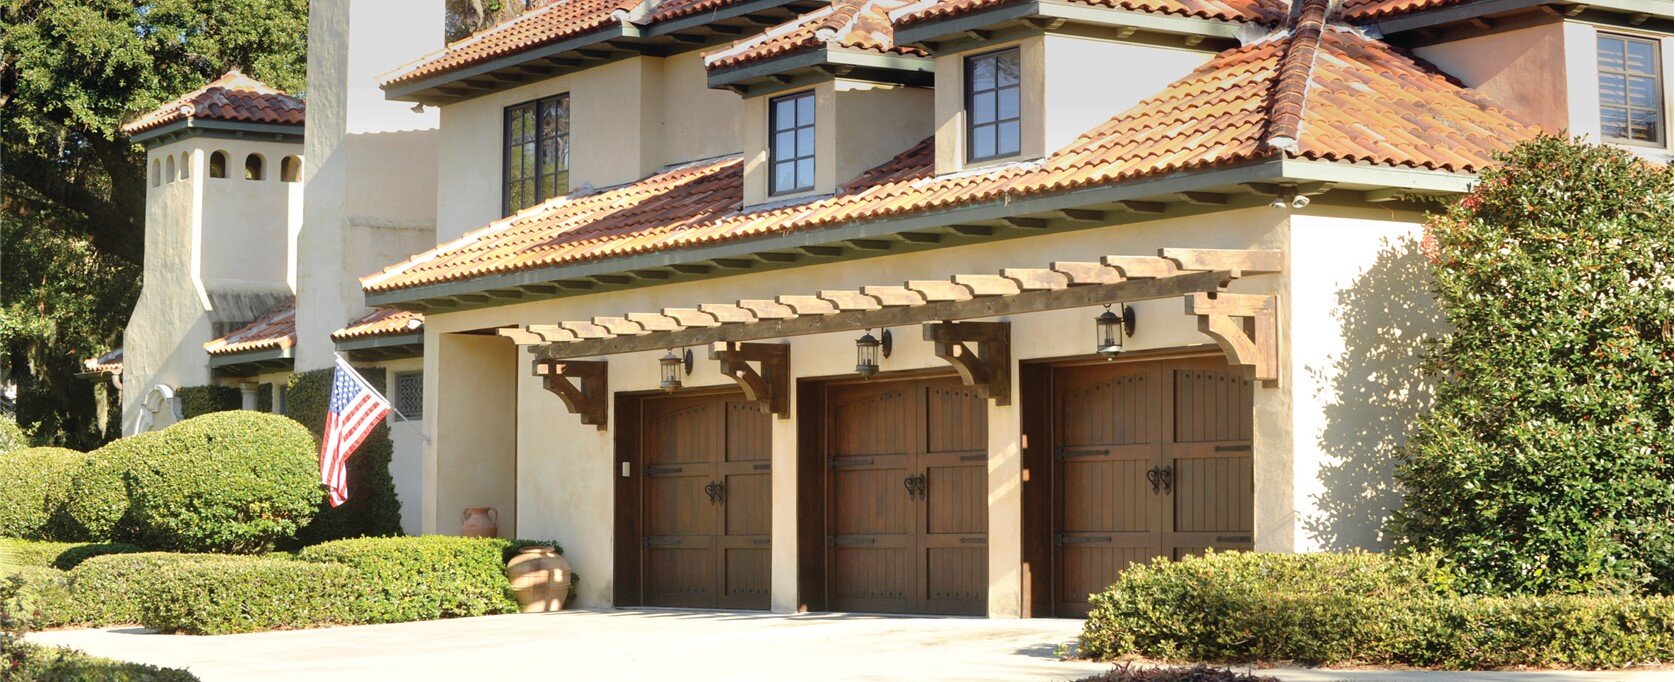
(370, 387)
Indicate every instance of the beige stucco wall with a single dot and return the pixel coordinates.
(370, 172)
(565, 469)
(848, 136)
(246, 223)
(473, 457)
(407, 438)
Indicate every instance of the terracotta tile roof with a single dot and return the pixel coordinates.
(1261, 11)
(232, 97)
(1355, 99)
(543, 26)
(109, 363)
(277, 328)
(1367, 10)
(850, 24)
(674, 9)
(382, 322)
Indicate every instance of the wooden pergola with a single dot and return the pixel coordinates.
(1243, 325)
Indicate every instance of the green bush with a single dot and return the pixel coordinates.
(264, 398)
(196, 401)
(97, 508)
(60, 555)
(36, 663)
(1360, 608)
(425, 577)
(234, 482)
(37, 481)
(1127, 672)
(250, 594)
(373, 508)
(1544, 464)
(109, 590)
(12, 437)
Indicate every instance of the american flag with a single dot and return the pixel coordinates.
(354, 411)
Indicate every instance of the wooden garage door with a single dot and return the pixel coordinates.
(907, 487)
(1150, 459)
(705, 503)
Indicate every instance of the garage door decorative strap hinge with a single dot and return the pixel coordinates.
(590, 398)
(1246, 326)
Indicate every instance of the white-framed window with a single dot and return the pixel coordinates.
(407, 393)
(1630, 90)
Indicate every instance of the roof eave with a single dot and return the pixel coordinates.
(384, 346)
(251, 362)
(431, 88)
(794, 69)
(193, 127)
(1652, 15)
(966, 31)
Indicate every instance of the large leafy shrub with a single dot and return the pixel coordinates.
(424, 577)
(12, 436)
(1544, 464)
(249, 595)
(36, 481)
(236, 482)
(1359, 608)
(372, 509)
(98, 501)
(22, 661)
(60, 555)
(196, 401)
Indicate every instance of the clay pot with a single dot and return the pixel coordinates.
(540, 579)
(479, 522)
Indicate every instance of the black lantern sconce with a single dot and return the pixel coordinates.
(868, 350)
(1110, 328)
(673, 366)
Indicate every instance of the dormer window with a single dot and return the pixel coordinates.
(992, 106)
(1630, 98)
(537, 152)
(791, 144)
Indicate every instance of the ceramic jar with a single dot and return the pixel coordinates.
(540, 579)
(479, 522)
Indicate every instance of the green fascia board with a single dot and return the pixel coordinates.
(806, 59)
(254, 357)
(402, 91)
(417, 341)
(1456, 13)
(192, 127)
(941, 29)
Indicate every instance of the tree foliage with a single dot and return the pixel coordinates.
(73, 204)
(1544, 465)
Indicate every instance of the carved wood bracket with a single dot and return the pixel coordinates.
(989, 368)
(591, 399)
(1246, 326)
(769, 384)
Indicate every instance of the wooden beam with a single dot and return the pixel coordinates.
(769, 383)
(1222, 316)
(892, 315)
(590, 399)
(989, 367)
(1247, 262)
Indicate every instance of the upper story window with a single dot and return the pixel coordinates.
(993, 122)
(537, 152)
(791, 121)
(1630, 98)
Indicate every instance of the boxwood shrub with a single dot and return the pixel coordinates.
(235, 482)
(97, 507)
(60, 555)
(107, 590)
(1360, 608)
(196, 401)
(250, 594)
(12, 437)
(425, 577)
(37, 481)
(373, 508)
(36, 662)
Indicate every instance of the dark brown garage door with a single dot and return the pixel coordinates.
(907, 489)
(1151, 459)
(705, 502)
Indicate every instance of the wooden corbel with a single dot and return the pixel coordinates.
(1246, 326)
(590, 400)
(769, 384)
(989, 368)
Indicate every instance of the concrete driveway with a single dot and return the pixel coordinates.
(672, 645)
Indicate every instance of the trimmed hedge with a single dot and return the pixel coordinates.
(1360, 608)
(98, 505)
(1128, 672)
(30, 662)
(250, 595)
(373, 508)
(60, 555)
(196, 401)
(106, 590)
(425, 577)
(12, 437)
(37, 481)
(235, 482)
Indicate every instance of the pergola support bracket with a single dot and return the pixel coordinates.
(1246, 326)
(769, 384)
(989, 368)
(591, 399)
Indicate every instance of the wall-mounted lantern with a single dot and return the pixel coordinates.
(673, 367)
(868, 349)
(1110, 328)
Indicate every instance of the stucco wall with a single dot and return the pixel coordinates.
(407, 438)
(848, 138)
(246, 223)
(163, 342)
(473, 460)
(565, 469)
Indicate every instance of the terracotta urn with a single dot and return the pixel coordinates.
(479, 522)
(540, 579)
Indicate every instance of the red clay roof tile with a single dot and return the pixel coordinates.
(232, 97)
(382, 322)
(849, 24)
(1261, 11)
(538, 27)
(276, 328)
